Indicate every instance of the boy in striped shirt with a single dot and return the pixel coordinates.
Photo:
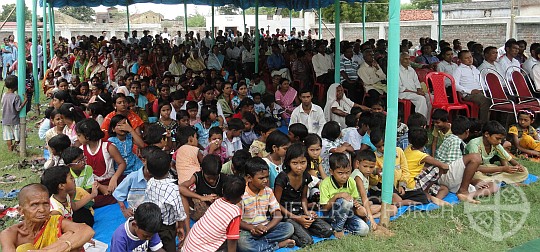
(220, 223)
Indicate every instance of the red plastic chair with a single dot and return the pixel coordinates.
(519, 85)
(407, 106)
(439, 99)
(474, 108)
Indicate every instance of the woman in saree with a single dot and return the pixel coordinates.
(286, 97)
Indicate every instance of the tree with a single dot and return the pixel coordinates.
(7, 8)
(196, 20)
(352, 13)
(82, 13)
(229, 9)
(426, 4)
(262, 11)
(285, 13)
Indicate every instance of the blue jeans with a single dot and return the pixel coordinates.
(267, 242)
(342, 218)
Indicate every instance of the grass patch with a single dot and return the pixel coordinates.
(447, 229)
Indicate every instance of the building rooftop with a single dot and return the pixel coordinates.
(413, 15)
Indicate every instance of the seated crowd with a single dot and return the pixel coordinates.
(179, 129)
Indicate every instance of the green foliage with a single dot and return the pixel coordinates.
(285, 13)
(7, 8)
(352, 13)
(426, 4)
(262, 11)
(196, 20)
(408, 6)
(229, 9)
(82, 13)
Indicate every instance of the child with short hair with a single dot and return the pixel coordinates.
(273, 110)
(155, 135)
(132, 188)
(188, 156)
(141, 112)
(74, 158)
(351, 121)
(192, 107)
(376, 122)
(11, 106)
(378, 106)
(248, 134)
(214, 147)
(338, 198)
(354, 137)
(258, 233)
(57, 145)
(139, 232)
(297, 132)
(61, 186)
(524, 136)
(332, 143)
(441, 130)
(235, 166)
(203, 188)
(162, 191)
(291, 190)
(402, 128)
(488, 146)
(416, 120)
(276, 145)
(264, 128)
(231, 137)
(208, 121)
(123, 136)
(182, 118)
(258, 106)
(245, 106)
(220, 223)
(405, 191)
(364, 165)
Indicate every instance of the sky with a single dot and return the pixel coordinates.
(168, 11)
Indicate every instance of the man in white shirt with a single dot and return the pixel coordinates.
(467, 79)
(446, 65)
(323, 64)
(248, 58)
(508, 59)
(207, 39)
(410, 88)
(533, 60)
(165, 34)
(177, 39)
(133, 40)
(490, 60)
(309, 114)
(373, 77)
(535, 71)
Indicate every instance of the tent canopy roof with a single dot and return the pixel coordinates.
(244, 4)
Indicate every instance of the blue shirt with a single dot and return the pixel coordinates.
(125, 148)
(124, 240)
(141, 100)
(366, 139)
(275, 62)
(204, 133)
(135, 68)
(131, 189)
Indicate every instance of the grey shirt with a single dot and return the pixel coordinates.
(11, 103)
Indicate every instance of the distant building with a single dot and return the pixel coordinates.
(148, 17)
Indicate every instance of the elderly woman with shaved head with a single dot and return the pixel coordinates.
(41, 231)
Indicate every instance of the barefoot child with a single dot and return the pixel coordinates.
(188, 156)
(441, 129)
(332, 143)
(11, 105)
(291, 188)
(524, 136)
(257, 232)
(338, 198)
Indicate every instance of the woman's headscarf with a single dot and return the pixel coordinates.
(331, 97)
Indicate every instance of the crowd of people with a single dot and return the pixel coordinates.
(180, 128)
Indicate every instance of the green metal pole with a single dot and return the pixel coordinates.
(257, 34)
(392, 108)
(51, 34)
(34, 52)
(44, 38)
(212, 32)
(21, 73)
(363, 22)
(127, 14)
(320, 22)
(53, 21)
(337, 55)
(290, 20)
(440, 20)
(185, 16)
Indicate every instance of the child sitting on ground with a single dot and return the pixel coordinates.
(248, 134)
(74, 158)
(193, 109)
(277, 144)
(313, 144)
(231, 137)
(273, 110)
(58, 122)
(266, 126)
(188, 156)
(162, 191)
(354, 137)
(139, 233)
(156, 135)
(405, 192)
(168, 124)
(203, 188)
(364, 165)
(215, 147)
(208, 121)
(376, 122)
(220, 223)
(402, 128)
(416, 120)
(57, 145)
(488, 146)
(235, 166)
(441, 130)
(133, 186)
(182, 118)
(338, 198)
(297, 132)
(258, 233)
(291, 189)
(258, 106)
(332, 143)
(123, 136)
(524, 136)
(351, 121)
(61, 186)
